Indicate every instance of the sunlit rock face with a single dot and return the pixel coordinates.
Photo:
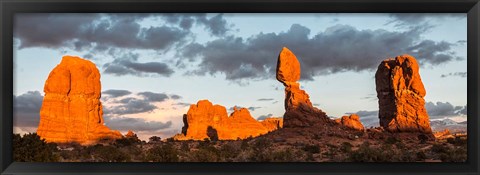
(288, 73)
(272, 123)
(352, 121)
(71, 110)
(204, 119)
(400, 93)
(299, 109)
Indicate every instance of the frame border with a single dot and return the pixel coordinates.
(8, 8)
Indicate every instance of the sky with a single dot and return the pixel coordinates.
(153, 66)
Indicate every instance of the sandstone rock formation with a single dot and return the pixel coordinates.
(71, 110)
(400, 95)
(299, 109)
(288, 73)
(352, 121)
(272, 123)
(205, 119)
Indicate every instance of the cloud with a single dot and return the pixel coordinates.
(128, 65)
(265, 99)
(175, 97)
(339, 48)
(154, 97)
(130, 106)
(97, 31)
(114, 93)
(251, 108)
(444, 109)
(368, 118)
(263, 117)
(135, 124)
(459, 74)
(216, 25)
(26, 109)
(182, 104)
(416, 19)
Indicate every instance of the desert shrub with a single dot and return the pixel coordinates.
(154, 139)
(229, 150)
(458, 154)
(109, 154)
(421, 155)
(205, 155)
(163, 153)
(458, 141)
(346, 147)
(439, 148)
(126, 141)
(391, 140)
(185, 147)
(283, 156)
(244, 145)
(30, 148)
(314, 149)
(365, 153)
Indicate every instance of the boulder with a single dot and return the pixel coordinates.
(71, 110)
(400, 93)
(352, 121)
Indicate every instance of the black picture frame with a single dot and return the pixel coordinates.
(9, 7)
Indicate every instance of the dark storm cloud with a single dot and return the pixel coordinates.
(263, 117)
(216, 25)
(339, 48)
(26, 109)
(114, 93)
(128, 65)
(265, 99)
(136, 124)
(93, 31)
(459, 74)
(130, 106)
(413, 19)
(444, 109)
(154, 97)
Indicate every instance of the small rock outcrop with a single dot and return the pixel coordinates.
(352, 121)
(204, 120)
(299, 109)
(71, 110)
(272, 123)
(400, 93)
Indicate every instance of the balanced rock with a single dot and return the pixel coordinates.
(205, 119)
(299, 109)
(272, 123)
(400, 93)
(352, 121)
(71, 110)
(288, 73)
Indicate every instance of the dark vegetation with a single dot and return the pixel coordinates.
(30, 148)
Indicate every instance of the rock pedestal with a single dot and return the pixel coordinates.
(71, 110)
(400, 93)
